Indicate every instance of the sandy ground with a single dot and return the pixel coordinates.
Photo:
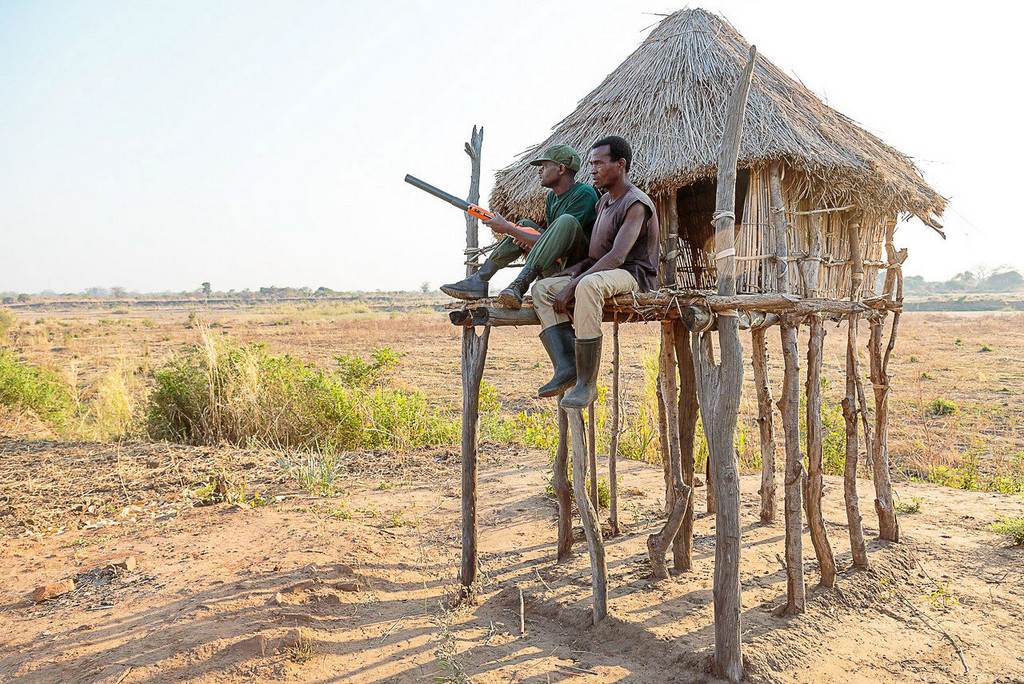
(356, 587)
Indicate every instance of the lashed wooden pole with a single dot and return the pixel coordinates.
(474, 354)
(789, 406)
(853, 517)
(718, 389)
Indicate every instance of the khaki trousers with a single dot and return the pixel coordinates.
(590, 295)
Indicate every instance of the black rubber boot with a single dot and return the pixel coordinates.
(588, 364)
(512, 296)
(560, 343)
(475, 286)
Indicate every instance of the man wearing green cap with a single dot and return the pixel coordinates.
(569, 213)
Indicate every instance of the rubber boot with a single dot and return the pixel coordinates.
(588, 364)
(559, 342)
(512, 296)
(475, 286)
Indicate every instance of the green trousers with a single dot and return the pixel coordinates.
(561, 244)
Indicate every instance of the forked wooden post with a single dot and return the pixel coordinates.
(473, 148)
(588, 516)
(814, 485)
(679, 495)
(718, 389)
(474, 354)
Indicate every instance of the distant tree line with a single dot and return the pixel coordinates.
(980, 280)
(201, 293)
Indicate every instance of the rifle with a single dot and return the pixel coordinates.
(471, 209)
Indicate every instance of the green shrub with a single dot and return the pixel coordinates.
(355, 372)
(7, 321)
(909, 507)
(222, 392)
(1012, 528)
(24, 386)
(942, 407)
(985, 348)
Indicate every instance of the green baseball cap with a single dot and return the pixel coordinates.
(560, 154)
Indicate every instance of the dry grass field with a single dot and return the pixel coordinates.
(250, 569)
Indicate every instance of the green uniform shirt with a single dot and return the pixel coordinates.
(580, 201)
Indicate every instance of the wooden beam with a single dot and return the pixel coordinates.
(755, 310)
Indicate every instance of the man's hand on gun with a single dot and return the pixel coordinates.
(500, 225)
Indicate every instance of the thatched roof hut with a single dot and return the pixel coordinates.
(668, 99)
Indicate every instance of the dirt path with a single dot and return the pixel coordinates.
(354, 588)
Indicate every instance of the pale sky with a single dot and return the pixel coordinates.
(157, 145)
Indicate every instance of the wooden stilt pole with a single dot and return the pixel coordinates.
(588, 516)
(613, 448)
(814, 485)
(853, 517)
(592, 457)
(888, 526)
(474, 354)
(679, 495)
(663, 442)
(563, 490)
(682, 545)
(789, 407)
(718, 390)
(764, 423)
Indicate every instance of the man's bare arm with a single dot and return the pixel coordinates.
(633, 223)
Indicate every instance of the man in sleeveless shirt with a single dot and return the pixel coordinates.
(569, 217)
(623, 257)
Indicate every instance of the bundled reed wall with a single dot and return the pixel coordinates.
(755, 240)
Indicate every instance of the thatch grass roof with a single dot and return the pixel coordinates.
(668, 99)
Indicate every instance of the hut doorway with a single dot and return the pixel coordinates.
(695, 207)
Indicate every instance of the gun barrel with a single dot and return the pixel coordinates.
(440, 194)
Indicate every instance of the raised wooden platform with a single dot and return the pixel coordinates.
(697, 309)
